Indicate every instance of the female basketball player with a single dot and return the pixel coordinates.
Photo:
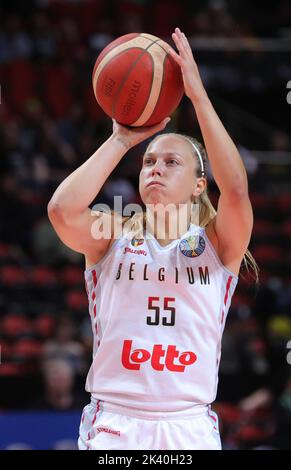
(158, 304)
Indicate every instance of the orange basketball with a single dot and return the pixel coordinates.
(136, 81)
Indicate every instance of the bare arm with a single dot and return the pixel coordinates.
(80, 188)
(68, 209)
(234, 219)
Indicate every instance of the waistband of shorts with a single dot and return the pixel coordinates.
(193, 411)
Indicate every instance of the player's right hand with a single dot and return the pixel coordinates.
(131, 136)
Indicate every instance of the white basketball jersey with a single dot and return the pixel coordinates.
(158, 315)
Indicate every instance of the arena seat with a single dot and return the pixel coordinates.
(16, 325)
(71, 276)
(44, 325)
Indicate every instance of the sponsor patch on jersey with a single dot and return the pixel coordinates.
(192, 246)
(137, 241)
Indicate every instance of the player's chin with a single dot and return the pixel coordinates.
(157, 200)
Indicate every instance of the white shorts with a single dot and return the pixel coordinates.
(105, 426)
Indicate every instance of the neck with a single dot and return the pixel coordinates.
(167, 226)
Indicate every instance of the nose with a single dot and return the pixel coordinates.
(157, 169)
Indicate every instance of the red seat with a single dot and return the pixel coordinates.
(27, 354)
(27, 348)
(58, 81)
(263, 227)
(43, 276)
(12, 275)
(44, 325)
(283, 202)
(9, 369)
(259, 200)
(93, 110)
(15, 324)
(267, 253)
(72, 276)
(77, 300)
(261, 204)
(228, 413)
(21, 83)
(6, 349)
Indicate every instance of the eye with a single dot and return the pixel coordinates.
(147, 161)
(172, 161)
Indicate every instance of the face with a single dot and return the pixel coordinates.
(169, 161)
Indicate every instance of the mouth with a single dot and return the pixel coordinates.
(155, 183)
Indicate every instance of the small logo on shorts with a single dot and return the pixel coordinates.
(110, 431)
(192, 246)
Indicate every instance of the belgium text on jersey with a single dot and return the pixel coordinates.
(191, 274)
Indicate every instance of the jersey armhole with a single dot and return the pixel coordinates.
(110, 249)
(212, 249)
(104, 257)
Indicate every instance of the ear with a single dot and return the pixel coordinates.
(199, 186)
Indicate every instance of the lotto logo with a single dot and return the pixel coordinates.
(133, 359)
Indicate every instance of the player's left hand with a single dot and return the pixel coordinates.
(192, 81)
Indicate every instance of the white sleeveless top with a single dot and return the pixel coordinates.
(158, 315)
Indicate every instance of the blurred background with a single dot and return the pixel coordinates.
(50, 124)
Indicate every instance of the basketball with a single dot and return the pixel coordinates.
(136, 81)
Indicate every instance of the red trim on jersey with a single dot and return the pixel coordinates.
(94, 310)
(98, 408)
(94, 277)
(226, 296)
(93, 296)
(227, 289)
(212, 417)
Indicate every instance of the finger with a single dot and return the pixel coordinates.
(178, 35)
(161, 125)
(179, 43)
(183, 39)
(187, 44)
(175, 56)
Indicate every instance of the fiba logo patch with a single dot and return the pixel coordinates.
(192, 246)
(137, 241)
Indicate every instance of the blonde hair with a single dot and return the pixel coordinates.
(206, 210)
